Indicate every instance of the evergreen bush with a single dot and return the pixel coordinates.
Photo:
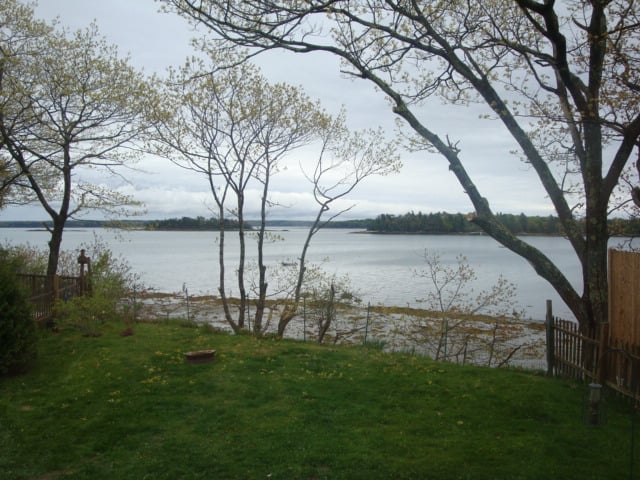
(18, 335)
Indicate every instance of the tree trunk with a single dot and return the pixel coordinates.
(286, 316)
(327, 316)
(221, 287)
(289, 312)
(596, 289)
(241, 262)
(595, 282)
(262, 269)
(55, 244)
(60, 218)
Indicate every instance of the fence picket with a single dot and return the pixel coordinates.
(45, 290)
(618, 362)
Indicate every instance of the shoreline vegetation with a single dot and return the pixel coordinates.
(476, 339)
(439, 223)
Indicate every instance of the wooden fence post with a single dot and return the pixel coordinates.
(603, 348)
(550, 339)
(85, 280)
(56, 286)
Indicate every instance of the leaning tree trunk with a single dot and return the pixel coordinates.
(291, 309)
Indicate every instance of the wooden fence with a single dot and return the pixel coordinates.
(610, 356)
(624, 301)
(44, 290)
(568, 349)
(606, 361)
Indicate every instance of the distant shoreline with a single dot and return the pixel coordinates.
(394, 226)
(29, 226)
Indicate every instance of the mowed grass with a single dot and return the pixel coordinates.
(116, 407)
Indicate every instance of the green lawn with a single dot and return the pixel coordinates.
(116, 407)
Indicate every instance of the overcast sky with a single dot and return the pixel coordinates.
(156, 41)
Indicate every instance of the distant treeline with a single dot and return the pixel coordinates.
(420, 223)
(355, 224)
(198, 223)
(457, 223)
(48, 224)
(184, 223)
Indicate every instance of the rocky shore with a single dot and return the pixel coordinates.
(479, 340)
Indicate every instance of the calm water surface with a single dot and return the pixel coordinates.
(381, 267)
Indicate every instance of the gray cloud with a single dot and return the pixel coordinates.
(156, 40)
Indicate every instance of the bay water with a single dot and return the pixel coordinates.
(381, 268)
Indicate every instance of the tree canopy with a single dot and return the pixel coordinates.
(72, 112)
(560, 76)
(238, 131)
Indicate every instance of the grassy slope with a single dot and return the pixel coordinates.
(129, 407)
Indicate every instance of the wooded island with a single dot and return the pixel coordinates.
(438, 223)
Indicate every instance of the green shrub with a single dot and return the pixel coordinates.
(18, 335)
(25, 258)
(86, 313)
(111, 280)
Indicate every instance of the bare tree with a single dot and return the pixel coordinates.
(450, 293)
(287, 119)
(191, 132)
(75, 108)
(346, 159)
(561, 77)
(235, 128)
